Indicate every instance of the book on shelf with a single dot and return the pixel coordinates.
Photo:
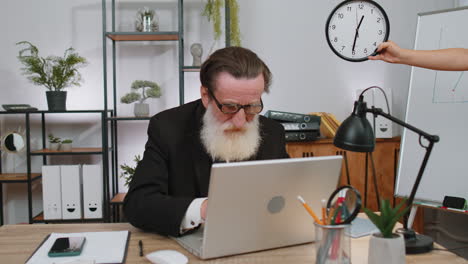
(292, 136)
(292, 117)
(300, 126)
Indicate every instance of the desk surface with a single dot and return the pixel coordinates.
(17, 242)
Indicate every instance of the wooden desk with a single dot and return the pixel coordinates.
(17, 242)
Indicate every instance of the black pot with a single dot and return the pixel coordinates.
(56, 100)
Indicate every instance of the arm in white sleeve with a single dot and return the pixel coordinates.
(192, 217)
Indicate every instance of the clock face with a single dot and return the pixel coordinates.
(355, 29)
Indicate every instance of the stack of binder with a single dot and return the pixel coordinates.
(298, 127)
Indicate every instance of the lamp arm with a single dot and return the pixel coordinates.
(431, 138)
(378, 111)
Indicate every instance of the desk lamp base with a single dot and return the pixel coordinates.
(416, 243)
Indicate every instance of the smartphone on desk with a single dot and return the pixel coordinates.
(67, 246)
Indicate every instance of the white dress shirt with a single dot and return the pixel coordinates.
(192, 217)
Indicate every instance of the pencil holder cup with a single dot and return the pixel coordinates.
(332, 244)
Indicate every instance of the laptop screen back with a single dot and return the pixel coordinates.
(253, 205)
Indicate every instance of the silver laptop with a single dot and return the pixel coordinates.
(253, 205)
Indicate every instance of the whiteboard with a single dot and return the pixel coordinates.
(438, 105)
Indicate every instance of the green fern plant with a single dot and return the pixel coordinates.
(388, 217)
(149, 89)
(54, 72)
(129, 171)
(212, 11)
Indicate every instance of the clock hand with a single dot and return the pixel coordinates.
(360, 22)
(356, 18)
(357, 32)
(354, 42)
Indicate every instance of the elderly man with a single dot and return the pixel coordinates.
(169, 188)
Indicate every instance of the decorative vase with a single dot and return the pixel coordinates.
(141, 110)
(56, 100)
(146, 21)
(386, 250)
(66, 147)
(54, 146)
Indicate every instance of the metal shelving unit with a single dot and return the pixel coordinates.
(29, 177)
(116, 37)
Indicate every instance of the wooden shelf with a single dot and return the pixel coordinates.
(128, 118)
(139, 36)
(40, 219)
(191, 68)
(118, 198)
(17, 177)
(72, 152)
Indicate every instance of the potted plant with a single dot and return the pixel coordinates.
(386, 247)
(66, 145)
(128, 171)
(54, 142)
(212, 11)
(149, 89)
(54, 72)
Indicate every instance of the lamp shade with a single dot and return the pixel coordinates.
(355, 133)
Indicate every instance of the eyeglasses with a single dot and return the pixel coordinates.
(250, 109)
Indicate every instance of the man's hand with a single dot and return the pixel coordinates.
(203, 209)
(389, 52)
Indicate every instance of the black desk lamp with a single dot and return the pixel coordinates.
(356, 134)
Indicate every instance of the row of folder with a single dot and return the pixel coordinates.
(72, 192)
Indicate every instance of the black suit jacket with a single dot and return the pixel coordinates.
(175, 168)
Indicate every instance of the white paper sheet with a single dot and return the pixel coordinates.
(100, 247)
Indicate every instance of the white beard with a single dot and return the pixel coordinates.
(223, 142)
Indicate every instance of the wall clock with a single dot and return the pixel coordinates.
(355, 28)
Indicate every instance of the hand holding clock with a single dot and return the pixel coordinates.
(452, 59)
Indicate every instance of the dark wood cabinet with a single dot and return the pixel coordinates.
(385, 158)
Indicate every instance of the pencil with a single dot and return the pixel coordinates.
(317, 220)
(330, 216)
(324, 211)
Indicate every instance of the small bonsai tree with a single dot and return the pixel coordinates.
(388, 217)
(128, 171)
(149, 89)
(53, 139)
(53, 72)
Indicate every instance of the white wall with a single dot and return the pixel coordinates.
(288, 35)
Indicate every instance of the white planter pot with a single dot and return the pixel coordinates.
(66, 147)
(386, 250)
(54, 146)
(141, 110)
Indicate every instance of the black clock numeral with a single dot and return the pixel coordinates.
(380, 32)
(340, 15)
(342, 48)
(365, 51)
(349, 8)
(335, 39)
(375, 44)
(333, 27)
(361, 6)
(354, 52)
(378, 19)
(372, 11)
